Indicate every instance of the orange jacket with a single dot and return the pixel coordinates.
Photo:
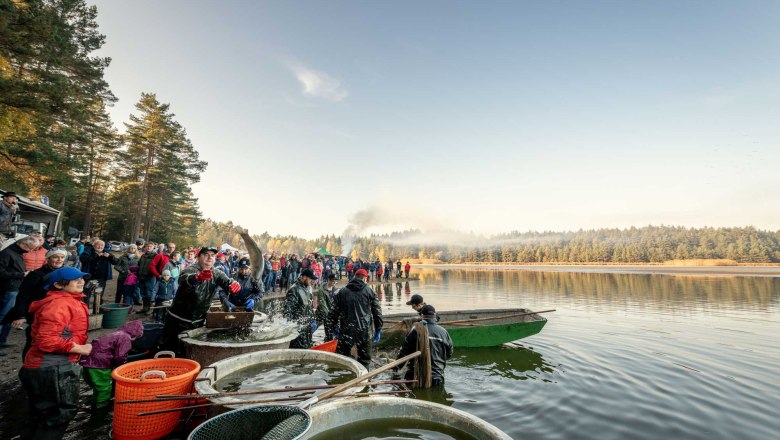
(35, 259)
(61, 321)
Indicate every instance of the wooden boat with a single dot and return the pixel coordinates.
(477, 328)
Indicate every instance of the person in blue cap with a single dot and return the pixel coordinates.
(50, 372)
(250, 288)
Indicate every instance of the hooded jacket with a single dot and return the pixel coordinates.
(353, 308)
(440, 349)
(61, 321)
(109, 351)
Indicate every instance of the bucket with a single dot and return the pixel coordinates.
(114, 315)
(150, 340)
(329, 346)
(275, 422)
(142, 380)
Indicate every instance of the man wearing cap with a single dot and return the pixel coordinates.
(197, 285)
(417, 303)
(324, 303)
(8, 208)
(298, 308)
(354, 306)
(250, 289)
(427, 335)
(50, 372)
(32, 289)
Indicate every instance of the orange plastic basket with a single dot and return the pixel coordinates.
(329, 346)
(146, 379)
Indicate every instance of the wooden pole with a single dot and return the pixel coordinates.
(165, 397)
(258, 401)
(493, 317)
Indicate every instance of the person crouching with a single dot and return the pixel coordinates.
(108, 352)
(250, 289)
(50, 372)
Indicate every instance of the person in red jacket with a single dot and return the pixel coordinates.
(50, 372)
(158, 264)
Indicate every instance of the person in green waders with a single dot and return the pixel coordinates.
(324, 304)
(298, 308)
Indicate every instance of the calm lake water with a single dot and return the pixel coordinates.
(624, 356)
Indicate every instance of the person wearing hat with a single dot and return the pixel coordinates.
(50, 372)
(417, 303)
(324, 303)
(197, 285)
(298, 308)
(8, 209)
(250, 289)
(147, 283)
(33, 288)
(354, 307)
(428, 337)
(166, 289)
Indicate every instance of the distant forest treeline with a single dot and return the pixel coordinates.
(650, 244)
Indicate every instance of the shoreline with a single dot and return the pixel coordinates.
(645, 269)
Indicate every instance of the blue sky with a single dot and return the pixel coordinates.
(482, 116)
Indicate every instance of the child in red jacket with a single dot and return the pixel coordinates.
(50, 373)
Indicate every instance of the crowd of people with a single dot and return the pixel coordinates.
(43, 291)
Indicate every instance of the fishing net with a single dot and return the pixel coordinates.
(267, 422)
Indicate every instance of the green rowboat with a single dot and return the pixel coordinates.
(483, 328)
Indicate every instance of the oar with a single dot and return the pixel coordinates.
(494, 317)
(259, 401)
(166, 397)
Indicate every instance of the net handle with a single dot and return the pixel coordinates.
(351, 383)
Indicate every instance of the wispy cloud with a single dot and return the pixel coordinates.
(319, 84)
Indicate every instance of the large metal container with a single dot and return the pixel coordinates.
(207, 353)
(337, 413)
(204, 384)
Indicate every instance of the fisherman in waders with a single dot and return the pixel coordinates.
(436, 346)
(197, 284)
(324, 304)
(298, 308)
(354, 306)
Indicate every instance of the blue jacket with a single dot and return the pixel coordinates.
(165, 290)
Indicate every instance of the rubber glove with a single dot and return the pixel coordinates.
(313, 326)
(250, 304)
(203, 275)
(234, 287)
(377, 336)
(230, 305)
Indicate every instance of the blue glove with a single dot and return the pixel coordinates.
(313, 326)
(377, 336)
(250, 304)
(230, 305)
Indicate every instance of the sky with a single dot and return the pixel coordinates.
(486, 116)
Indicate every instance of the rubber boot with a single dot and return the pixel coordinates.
(147, 305)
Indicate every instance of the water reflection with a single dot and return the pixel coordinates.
(517, 363)
(450, 289)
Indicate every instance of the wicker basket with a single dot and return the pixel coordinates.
(146, 379)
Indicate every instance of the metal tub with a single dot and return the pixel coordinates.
(207, 353)
(337, 413)
(204, 384)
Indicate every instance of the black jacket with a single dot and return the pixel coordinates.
(99, 266)
(353, 308)
(11, 268)
(32, 289)
(250, 289)
(440, 349)
(193, 298)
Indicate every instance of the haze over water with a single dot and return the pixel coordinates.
(624, 355)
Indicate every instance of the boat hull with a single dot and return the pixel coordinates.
(481, 333)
